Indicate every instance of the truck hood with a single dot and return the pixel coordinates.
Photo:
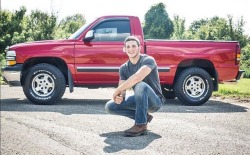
(36, 43)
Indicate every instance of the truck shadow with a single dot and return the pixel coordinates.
(212, 106)
(64, 106)
(96, 106)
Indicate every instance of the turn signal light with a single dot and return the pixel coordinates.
(238, 58)
(10, 62)
(237, 54)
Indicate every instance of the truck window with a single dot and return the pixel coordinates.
(115, 30)
(80, 31)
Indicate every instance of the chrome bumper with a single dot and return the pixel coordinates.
(238, 77)
(240, 74)
(12, 75)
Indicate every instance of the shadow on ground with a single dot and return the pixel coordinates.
(118, 142)
(96, 106)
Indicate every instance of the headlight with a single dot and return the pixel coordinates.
(10, 58)
(10, 53)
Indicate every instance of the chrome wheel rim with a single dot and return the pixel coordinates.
(43, 84)
(194, 86)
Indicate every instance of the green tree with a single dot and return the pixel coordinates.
(157, 23)
(245, 60)
(218, 29)
(236, 31)
(69, 25)
(40, 26)
(10, 26)
(179, 28)
(209, 29)
(194, 28)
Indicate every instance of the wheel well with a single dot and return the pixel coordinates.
(59, 63)
(201, 63)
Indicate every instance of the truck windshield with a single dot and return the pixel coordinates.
(79, 31)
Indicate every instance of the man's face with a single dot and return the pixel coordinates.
(132, 49)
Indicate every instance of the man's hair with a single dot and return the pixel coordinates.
(132, 38)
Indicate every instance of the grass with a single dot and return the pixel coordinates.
(241, 89)
(1, 81)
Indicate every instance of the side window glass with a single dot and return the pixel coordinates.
(116, 30)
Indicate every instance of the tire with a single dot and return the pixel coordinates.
(167, 94)
(44, 84)
(193, 87)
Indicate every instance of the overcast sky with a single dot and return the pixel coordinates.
(189, 9)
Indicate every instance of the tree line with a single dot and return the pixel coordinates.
(17, 27)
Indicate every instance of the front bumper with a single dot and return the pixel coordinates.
(12, 74)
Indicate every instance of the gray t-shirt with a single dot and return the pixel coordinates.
(152, 79)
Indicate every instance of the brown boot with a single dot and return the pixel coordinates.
(136, 130)
(149, 118)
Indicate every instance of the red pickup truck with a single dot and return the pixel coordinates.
(91, 57)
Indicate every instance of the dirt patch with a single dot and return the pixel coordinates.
(232, 98)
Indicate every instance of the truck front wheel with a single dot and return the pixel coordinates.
(193, 86)
(44, 84)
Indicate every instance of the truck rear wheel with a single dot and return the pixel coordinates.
(193, 86)
(44, 84)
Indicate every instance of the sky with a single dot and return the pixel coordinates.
(190, 10)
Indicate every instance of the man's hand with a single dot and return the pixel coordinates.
(117, 97)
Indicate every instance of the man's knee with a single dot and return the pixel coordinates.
(109, 107)
(140, 87)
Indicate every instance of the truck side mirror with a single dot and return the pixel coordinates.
(89, 35)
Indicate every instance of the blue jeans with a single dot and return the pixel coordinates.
(136, 106)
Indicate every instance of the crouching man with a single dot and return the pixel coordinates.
(140, 73)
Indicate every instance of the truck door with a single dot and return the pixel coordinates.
(98, 61)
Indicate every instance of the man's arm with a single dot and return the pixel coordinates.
(123, 93)
(120, 97)
(134, 79)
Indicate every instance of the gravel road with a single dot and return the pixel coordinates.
(78, 124)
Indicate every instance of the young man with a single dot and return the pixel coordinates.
(140, 73)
